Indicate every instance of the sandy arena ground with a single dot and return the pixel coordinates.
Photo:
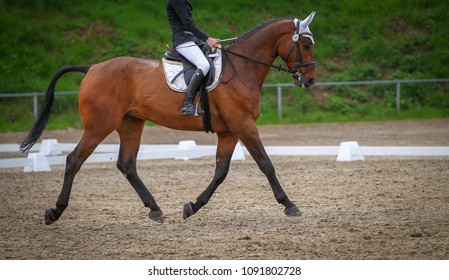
(381, 208)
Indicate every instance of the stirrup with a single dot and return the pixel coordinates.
(196, 111)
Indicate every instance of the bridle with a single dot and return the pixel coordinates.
(295, 71)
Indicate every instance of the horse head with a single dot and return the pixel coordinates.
(296, 50)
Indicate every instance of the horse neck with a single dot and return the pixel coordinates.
(262, 45)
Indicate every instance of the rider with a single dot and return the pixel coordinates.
(186, 36)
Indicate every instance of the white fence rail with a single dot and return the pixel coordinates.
(49, 152)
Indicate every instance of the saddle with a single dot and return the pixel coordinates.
(178, 70)
(175, 66)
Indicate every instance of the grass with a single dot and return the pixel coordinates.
(356, 40)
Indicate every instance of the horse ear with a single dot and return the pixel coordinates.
(307, 20)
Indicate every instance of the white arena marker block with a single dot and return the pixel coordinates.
(187, 145)
(40, 163)
(345, 152)
(238, 152)
(49, 147)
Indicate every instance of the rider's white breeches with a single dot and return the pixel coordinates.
(193, 53)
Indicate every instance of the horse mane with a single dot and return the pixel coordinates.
(258, 27)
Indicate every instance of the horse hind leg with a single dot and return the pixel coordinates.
(130, 132)
(74, 160)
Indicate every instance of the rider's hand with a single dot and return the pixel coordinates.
(213, 42)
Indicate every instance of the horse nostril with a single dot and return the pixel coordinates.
(312, 82)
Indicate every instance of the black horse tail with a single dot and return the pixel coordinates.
(45, 109)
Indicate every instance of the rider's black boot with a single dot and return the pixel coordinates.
(192, 89)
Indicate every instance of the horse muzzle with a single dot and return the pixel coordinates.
(300, 78)
(302, 81)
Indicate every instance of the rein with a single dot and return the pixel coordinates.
(279, 68)
(295, 70)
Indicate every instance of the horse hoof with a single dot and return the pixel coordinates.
(156, 216)
(292, 212)
(188, 210)
(50, 217)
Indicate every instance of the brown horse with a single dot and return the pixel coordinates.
(121, 93)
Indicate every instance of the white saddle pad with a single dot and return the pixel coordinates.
(172, 68)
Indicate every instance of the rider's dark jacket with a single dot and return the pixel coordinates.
(179, 14)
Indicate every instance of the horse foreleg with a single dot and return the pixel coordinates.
(225, 148)
(74, 160)
(130, 132)
(255, 147)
